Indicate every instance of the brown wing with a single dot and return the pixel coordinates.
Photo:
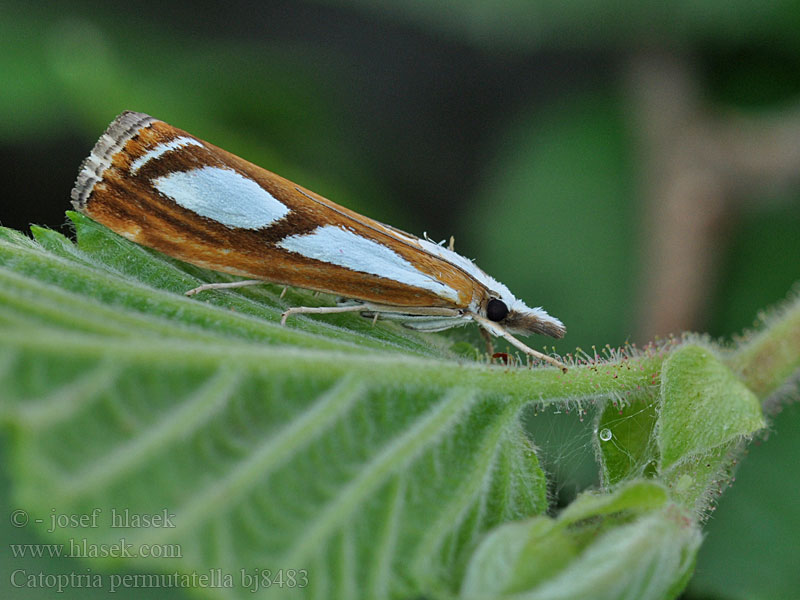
(115, 187)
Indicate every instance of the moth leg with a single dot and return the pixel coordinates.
(221, 286)
(368, 307)
(488, 339)
(499, 331)
(283, 291)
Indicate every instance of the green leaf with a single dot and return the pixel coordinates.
(365, 455)
(625, 441)
(376, 461)
(633, 544)
(706, 412)
(704, 406)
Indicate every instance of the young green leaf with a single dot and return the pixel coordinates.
(632, 544)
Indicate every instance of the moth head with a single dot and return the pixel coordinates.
(495, 301)
(514, 316)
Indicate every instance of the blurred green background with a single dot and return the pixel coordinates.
(633, 167)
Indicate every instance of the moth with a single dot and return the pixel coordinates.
(165, 189)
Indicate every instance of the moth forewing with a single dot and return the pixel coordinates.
(163, 188)
(203, 205)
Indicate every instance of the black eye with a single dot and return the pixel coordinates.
(496, 310)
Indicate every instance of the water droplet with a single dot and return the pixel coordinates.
(605, 434)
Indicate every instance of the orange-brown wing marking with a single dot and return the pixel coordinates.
(128, 203)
